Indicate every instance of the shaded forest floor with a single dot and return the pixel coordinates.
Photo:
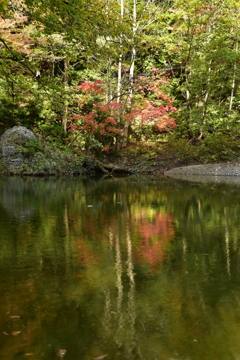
(147, 159)
(155, 158)
(52, 158)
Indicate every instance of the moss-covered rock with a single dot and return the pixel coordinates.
(13, 146)
(21, 153)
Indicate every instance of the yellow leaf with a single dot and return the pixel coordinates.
(15, 333)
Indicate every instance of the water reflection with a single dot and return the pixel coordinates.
(14, 198)
(120, 324)
(217, 179)
(128, 268)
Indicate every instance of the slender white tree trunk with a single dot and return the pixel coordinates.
(66, 85)
(131, 70)
(119, 81)
(205, 100)
(233, 81)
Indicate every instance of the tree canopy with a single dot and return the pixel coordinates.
(104, 71)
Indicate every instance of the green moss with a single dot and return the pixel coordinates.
(30, 147)
(2, 166)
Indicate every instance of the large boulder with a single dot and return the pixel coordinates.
(21, 153)
(12, 142)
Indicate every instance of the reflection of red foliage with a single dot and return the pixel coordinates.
(155, 236)
(85, 256)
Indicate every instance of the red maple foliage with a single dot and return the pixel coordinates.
(154, 108)
(95, 117)
(151, 109)
(88, 87)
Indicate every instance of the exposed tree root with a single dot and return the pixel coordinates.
(113, 169)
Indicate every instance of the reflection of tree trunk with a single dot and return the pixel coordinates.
(107, 312)
(122, 322)
(131, 293)
(65, 220)
(110, 240)
(67, 238)
(119, 286)
(184, 248)
(119, 274)
(227, 244)
(130, 266)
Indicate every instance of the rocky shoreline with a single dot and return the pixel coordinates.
(227, 173)
(223, 169)
(21, 153)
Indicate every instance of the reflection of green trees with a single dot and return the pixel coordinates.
(73, 265)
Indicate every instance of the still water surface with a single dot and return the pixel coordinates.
(119, 269)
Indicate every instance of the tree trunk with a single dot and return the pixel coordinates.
(131, 71)
(205, 101)
(187, 84)
(119, 80)
(66, 86)
(233, 87)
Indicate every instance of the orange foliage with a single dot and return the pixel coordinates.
(11, 31)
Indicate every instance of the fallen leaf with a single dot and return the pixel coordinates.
(61, 353)
(100, 357)
(29, 354)
(78, 275)
(90, 206)
(16, 317)
(5, 333)
(15, 333)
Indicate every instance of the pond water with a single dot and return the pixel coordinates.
(119, 268)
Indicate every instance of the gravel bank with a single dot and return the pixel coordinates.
(219, 173)
(224, 169)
